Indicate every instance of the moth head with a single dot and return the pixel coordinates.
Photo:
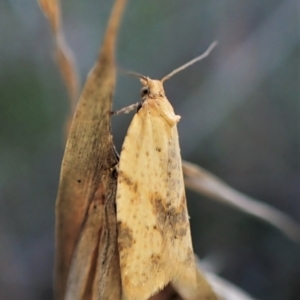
(151, 88)
(145, 90)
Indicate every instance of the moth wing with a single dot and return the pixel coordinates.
(153, 228)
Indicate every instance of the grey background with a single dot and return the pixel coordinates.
(240, 120)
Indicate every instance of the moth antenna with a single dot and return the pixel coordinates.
(124, 72)
(137, 75)
(200, 57)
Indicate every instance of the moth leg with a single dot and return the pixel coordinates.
(126, 110)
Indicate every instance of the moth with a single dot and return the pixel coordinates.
(154, 238)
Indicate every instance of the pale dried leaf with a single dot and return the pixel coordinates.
(205, 183)
(88, 162)
(108, 288)
(82, 270)
(107, 281)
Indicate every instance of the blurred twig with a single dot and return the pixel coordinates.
(205, 183)
(66, 62)
(225, 289)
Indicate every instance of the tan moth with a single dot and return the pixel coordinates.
(154, 236)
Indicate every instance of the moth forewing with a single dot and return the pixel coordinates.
(153, 227)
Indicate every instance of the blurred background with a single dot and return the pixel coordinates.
(240, 120)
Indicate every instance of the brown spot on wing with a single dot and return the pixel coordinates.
(125, 242)
(125, 238)
(189, 257)
(155, 259)
(124, 177)
(132, 184)
(169, 217)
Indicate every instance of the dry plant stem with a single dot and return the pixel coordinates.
(87, 165)
(66, 62)
(207, 184)
(223, 288)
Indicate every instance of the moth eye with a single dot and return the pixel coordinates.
(145, 91)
